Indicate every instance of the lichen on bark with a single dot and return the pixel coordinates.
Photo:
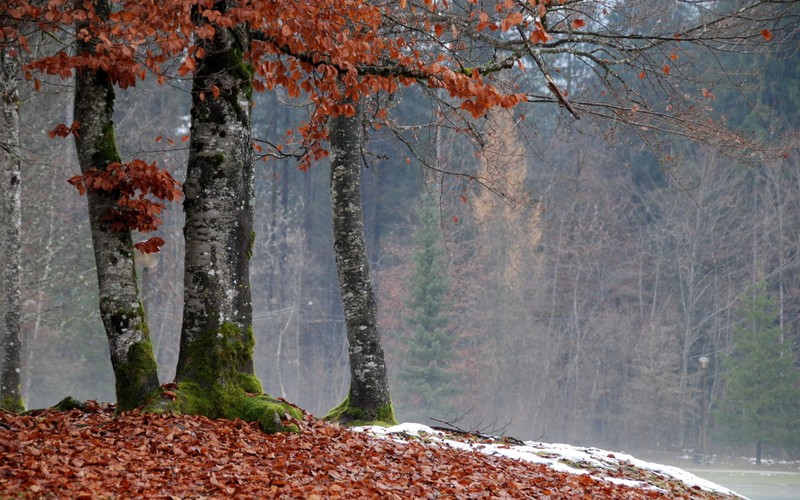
(10, 234)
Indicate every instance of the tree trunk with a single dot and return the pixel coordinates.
(121, 310)
(368, 399)
(215, 375)
(10, 340)
(217, 333)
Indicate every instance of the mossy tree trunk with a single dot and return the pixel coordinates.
(368, 399)
(215, 366)
(10, 340)
(121, 310)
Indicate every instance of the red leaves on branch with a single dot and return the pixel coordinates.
(327, 50)
(62, 130)
(93, 454)
(133, 183)
(538, 34)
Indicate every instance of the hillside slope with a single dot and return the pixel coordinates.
(92, 454)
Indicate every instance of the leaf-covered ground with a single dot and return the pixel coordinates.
(92, 454)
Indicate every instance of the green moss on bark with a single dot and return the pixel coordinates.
(135, 370)
(136, 376)
(106, 146)
(224, 356)
(12, 404)
(347, 414)
(229, 402)
(220, 383)
(251, 244)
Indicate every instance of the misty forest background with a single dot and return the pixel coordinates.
(576, 313)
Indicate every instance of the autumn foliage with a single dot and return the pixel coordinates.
(132, 183)
(92, 454)
(331, 52)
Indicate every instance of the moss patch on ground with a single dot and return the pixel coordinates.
(189, 398)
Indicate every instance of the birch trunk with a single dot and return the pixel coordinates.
(10, 340)
(121, 310)
(368, 399)
(217, 333)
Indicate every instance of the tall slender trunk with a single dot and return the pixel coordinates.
(368, 399)
(10, 340)
(121, 310)
(217, 334)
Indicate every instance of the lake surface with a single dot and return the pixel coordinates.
(762, 483)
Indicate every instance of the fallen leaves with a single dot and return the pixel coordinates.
(92, 454)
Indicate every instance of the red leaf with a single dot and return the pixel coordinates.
(151, 245)
(577, 23)
(767, 34)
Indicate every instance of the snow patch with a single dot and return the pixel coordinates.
(557, 456)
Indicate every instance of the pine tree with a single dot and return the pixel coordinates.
(426, 383)
(761, 404)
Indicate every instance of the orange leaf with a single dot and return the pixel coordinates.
(189, 64)
(577, 23)
(666, 69)
(538, 35)
(511, 20)
(767, 34)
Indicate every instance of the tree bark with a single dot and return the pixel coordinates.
(217, 332)
(368, 399)
(10, 339)
(121, 310)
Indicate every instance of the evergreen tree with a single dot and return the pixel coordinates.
(426, 383)
(761, 404)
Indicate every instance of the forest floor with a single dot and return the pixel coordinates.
(93, 454)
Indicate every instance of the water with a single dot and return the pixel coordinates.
(755, 483)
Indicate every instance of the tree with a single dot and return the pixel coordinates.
(11, 217)
(215, 375)
(121, 309)
(368, 399)
(427, 382)
(761, 400)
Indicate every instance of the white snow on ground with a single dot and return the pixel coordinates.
(556, 456)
